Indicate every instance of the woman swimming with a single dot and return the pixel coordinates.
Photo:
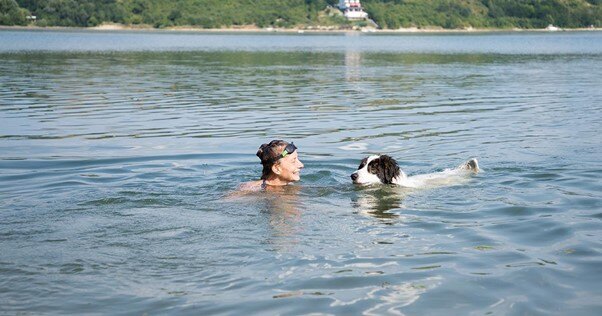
(281, 166)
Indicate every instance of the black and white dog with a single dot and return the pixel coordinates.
(384, 169)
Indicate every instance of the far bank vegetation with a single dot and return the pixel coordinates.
(388, 14)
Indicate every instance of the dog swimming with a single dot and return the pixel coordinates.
(384, 169)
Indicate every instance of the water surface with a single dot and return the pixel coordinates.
(118, 152)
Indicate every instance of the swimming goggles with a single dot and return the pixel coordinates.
(289, 149)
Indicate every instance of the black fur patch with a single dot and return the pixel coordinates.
(363, 163)
(472, 164)
(385, 168)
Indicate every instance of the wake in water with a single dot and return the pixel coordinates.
(451, 176)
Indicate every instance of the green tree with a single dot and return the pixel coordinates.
(291, 13)
(11, 13)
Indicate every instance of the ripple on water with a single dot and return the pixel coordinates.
(116, 172)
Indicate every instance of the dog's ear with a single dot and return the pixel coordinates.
(388, 170)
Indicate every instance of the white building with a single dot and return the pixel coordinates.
(352, 9)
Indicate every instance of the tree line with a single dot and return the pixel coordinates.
(452, 14)
(388, 14)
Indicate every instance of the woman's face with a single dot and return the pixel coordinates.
(288, 168)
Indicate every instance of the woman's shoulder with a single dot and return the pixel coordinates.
(251, 186)
(245, 188)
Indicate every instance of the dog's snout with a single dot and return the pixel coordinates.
(354, 176)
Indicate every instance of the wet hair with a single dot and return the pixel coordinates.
(268, 154)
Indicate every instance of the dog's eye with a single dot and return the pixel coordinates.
(373, 166)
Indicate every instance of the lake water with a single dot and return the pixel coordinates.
(118, 152)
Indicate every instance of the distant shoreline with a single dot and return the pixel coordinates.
(317, 30)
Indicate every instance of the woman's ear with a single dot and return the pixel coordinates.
(276, 168)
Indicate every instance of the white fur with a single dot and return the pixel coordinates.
(446, 177)
(365, 177)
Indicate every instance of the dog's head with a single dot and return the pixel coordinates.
(377, 169)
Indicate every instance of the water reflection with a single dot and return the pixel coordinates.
(378, 202)
(394, 297)
(282, 208)
(353, 63)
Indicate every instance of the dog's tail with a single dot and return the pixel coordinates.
(472, 164)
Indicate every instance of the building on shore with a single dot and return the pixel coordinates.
(352, 9)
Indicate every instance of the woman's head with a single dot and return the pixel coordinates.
(280, 161)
